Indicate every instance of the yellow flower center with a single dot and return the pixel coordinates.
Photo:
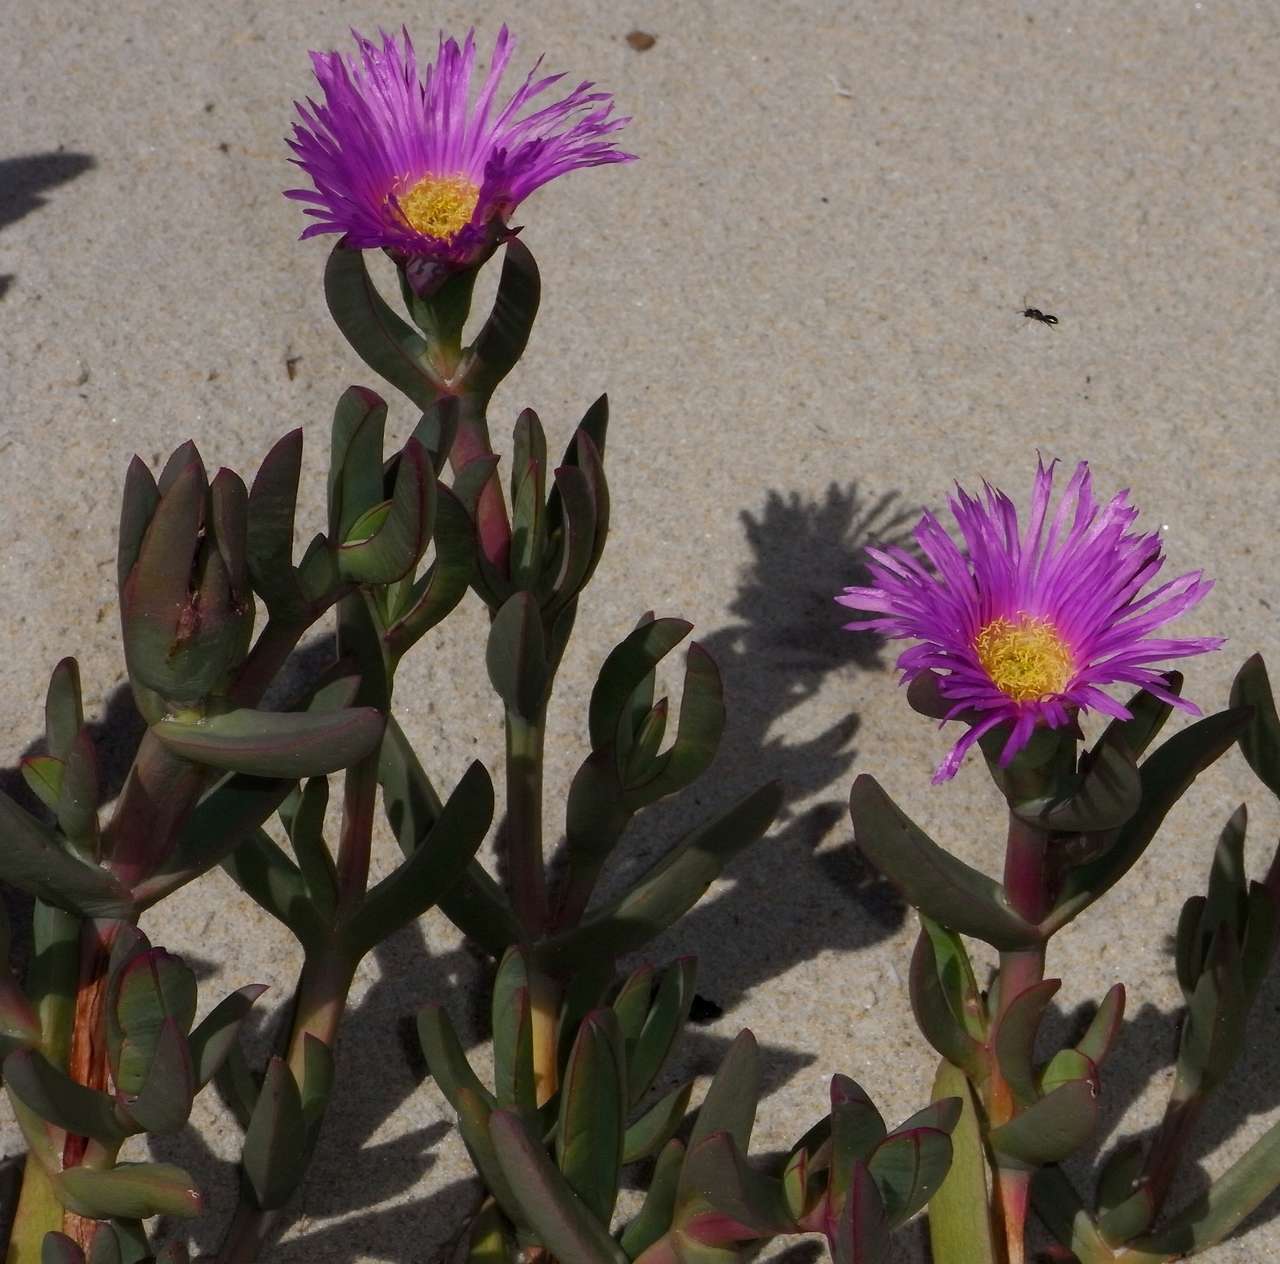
(440, 206)
(1025, 657)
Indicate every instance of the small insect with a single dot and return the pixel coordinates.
(1034, 313)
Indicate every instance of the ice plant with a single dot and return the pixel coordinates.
(1024, 628)
(407, 162)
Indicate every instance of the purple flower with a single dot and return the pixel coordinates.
(404, 161)
(1024, 627)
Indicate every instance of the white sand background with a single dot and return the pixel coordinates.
(804, 302)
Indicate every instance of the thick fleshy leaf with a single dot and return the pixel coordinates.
(724, 1199)
(163, 1102)
(1104, 798)
(78, 790)
(63, 709)
(445, 1058)
(516, 656)
(1015, 1037)
(441, 859)
(959, 1217)
(389, 346)
(632, 1002)
(666, 1018)
(577, 540)
(862, 1230)
(938, 991)
(732, 1097)
(475, 904)
(505, 333)
(626, 667)
(669, 889)
(1216, 1214)
(658, 1209)
(134, 1191)
(561, 1220)
(856, 1130)
(276, 743)
(513, 1077)
(231, 810)
(1213, 1033)
(1060, 1208)
(1055, 1127)
(697, 738)
(215, 1036)
(262, 870)
(394, 542)
(657, 1125)
(34, 859)
(1260, 739)
(1148, 715)
(931, 879)
(1105, 1025)
(1166, 775)
(908, 1168)
(58, 1099)
(147, 987)
(138, 504)
(274, 1156)
(355, 484)
(57, 1248)
(273, 502)
(592, 1121)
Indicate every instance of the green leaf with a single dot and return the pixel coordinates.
(908, 1168)
(317, 1084)
(577, 539)
(393, 548)
(34, 860)
(513, 1077)
(1105, 796)
(632, 1003)
(658, 1209)
(273, 502)
(662, 1024)
(1149, 714)
(657, 1125)
(475, 904)
(592, 1123)
(516, 656)
(1015, 1037)
(1096, 1042)
(63, 708)
(1215, 1215)
(57, 1248)
(379, 337)
(856, 1130)
(274, 1156)
(1055, 1127)
(315, 861)
(719, 1186)
(229, 812)
(78, 789)
(446, 1060)
(216, 1035)
(862, 1231)
(43, 775)
(1228, 896)
(668, 890)
(698, 732)
(1059, 1206)
(559, 1217)
(931, 879)
(163, 1102)
(138, 504)
(1166, 776)
(276, 743)
(940, 993)
(129, 1191)
(732, 1097)
(1260, 738)
(1213, 1033)
(260, 869)
(59, 1100)
(505, 333)
(959, 1215)
(439, 862)
(625, 669)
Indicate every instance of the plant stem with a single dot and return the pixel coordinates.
(471, 443)
(1026, 885)
(274, 645)
(522, 831)
(320, 1000)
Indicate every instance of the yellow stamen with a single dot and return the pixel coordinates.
(440, 206)
(1025, 657)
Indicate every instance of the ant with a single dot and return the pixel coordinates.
(1034, 313)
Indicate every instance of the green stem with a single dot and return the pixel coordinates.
(522, 831)
(320, 1001)
(274, 645)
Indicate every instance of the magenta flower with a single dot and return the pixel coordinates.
(1024, 628)
(406, 162)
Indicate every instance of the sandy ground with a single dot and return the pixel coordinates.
(805, 304)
